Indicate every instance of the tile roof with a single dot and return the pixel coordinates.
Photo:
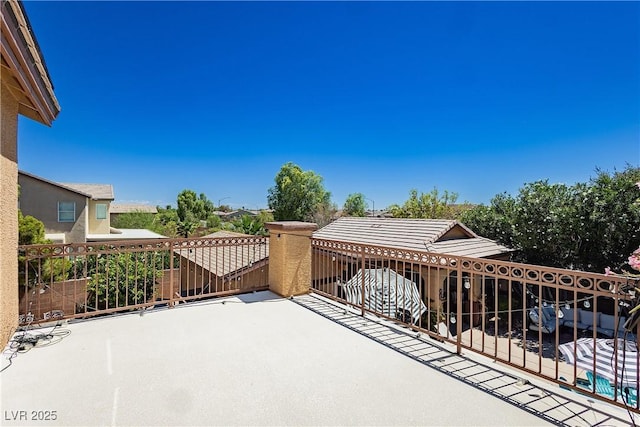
(96, 191)
(432, 235)
(475, 247)
(224, 260)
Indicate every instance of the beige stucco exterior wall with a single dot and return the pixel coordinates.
(98, 226)
(290, 257)
(8, 215)
(40, 200)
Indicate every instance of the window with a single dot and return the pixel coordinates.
(66, 212)
(101, 211)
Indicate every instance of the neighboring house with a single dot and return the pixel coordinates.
(26, 90)
(73, 213)
(441, 236)
(367, 214)
(230, 216)
(118, 209)
(437, 236)
(223, 268)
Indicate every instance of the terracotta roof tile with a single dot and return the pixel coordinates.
(431, 235)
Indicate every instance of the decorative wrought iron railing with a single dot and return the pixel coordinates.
(544, 321)
(88, 279)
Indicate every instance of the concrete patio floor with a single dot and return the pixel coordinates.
(258, 359)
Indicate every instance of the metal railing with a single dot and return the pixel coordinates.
(543, 321)
(87, 279)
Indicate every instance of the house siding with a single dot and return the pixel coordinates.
(8, 215)
(40, 200)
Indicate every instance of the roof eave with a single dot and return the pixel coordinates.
(57, 184)
(24, 62)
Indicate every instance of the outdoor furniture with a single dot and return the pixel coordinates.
(629, 395)
(603, 323)
(614, 360)
(585, 320)
(602, 385)
(544, 320)
(607, 325)
(386, 292)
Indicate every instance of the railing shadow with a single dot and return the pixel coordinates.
(500, 384)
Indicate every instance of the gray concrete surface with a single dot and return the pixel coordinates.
(250, 360)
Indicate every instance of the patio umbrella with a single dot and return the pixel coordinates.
(619, 365)
(386, 292)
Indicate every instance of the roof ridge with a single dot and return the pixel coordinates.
(452, 224)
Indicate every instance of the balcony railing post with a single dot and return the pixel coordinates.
(459, 308)
(171, 278)
(363, 274)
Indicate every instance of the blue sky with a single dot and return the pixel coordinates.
(477, 98)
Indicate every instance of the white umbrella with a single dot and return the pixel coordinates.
(386, 292)
(619, 365)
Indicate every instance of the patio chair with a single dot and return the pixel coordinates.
(603, 386)
(544, 319)
(629, 396)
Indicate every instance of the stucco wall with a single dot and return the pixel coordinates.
(40, 200)
(8, 215)
(98, 226)
(290, 257)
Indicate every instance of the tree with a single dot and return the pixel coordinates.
(119, 280)
(427, 205)
(355, 205)
(184, 220)
(544, 226)
(253, 225)
(587, 226)
(166, 221)
(494, 221)
(191, 210)
(186, 227)
(609, 219)
(30, 230)
(248, 224)
(199, 207)
(297, 195)
(136, 219)
(325, 213)
(214, 222)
